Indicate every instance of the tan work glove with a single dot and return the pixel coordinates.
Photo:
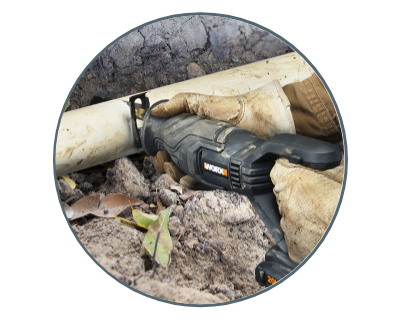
(264, 111)
(307, 200)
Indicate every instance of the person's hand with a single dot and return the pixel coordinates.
(307, 200)
(264, 111)
(163, 164)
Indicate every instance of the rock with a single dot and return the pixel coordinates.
(174, 225)
(230, 295)
(125, 178)
(239, 214)
(238, 284)
(86, 187)
(78, 177)
(211, 200)
(168, 197)
(238, 294)
(188, 273)
(66, 192)
(178, 211)
(163, 182)
(148, 163)
(215, 288)
(147, 174)
(194, 70)
(78, 195)
(235, 208)
(137, 265)
(154, 177)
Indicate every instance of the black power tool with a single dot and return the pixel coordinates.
(225, 157)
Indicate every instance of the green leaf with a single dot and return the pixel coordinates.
(164, 244)
(143, 220)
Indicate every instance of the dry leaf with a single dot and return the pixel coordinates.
(71, 182)
(99, 205)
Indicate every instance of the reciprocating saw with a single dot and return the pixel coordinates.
(225, 157)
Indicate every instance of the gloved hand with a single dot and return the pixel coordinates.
(264, 111)
(163, 164)
(307, 200)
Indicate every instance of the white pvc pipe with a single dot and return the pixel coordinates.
(103, 132)
(93, 135)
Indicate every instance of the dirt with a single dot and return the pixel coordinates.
(171, 51)
(218, 238)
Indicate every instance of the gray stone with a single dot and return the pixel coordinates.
(174, 225)
(194, 70)
(137, 266)
(168, 197)
(125, 178)
(77, 177)
(230, 295)
(163, 182)
(86, 187)
(188, 273)
(66, 191)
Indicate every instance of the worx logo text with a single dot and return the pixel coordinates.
(215, 169)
